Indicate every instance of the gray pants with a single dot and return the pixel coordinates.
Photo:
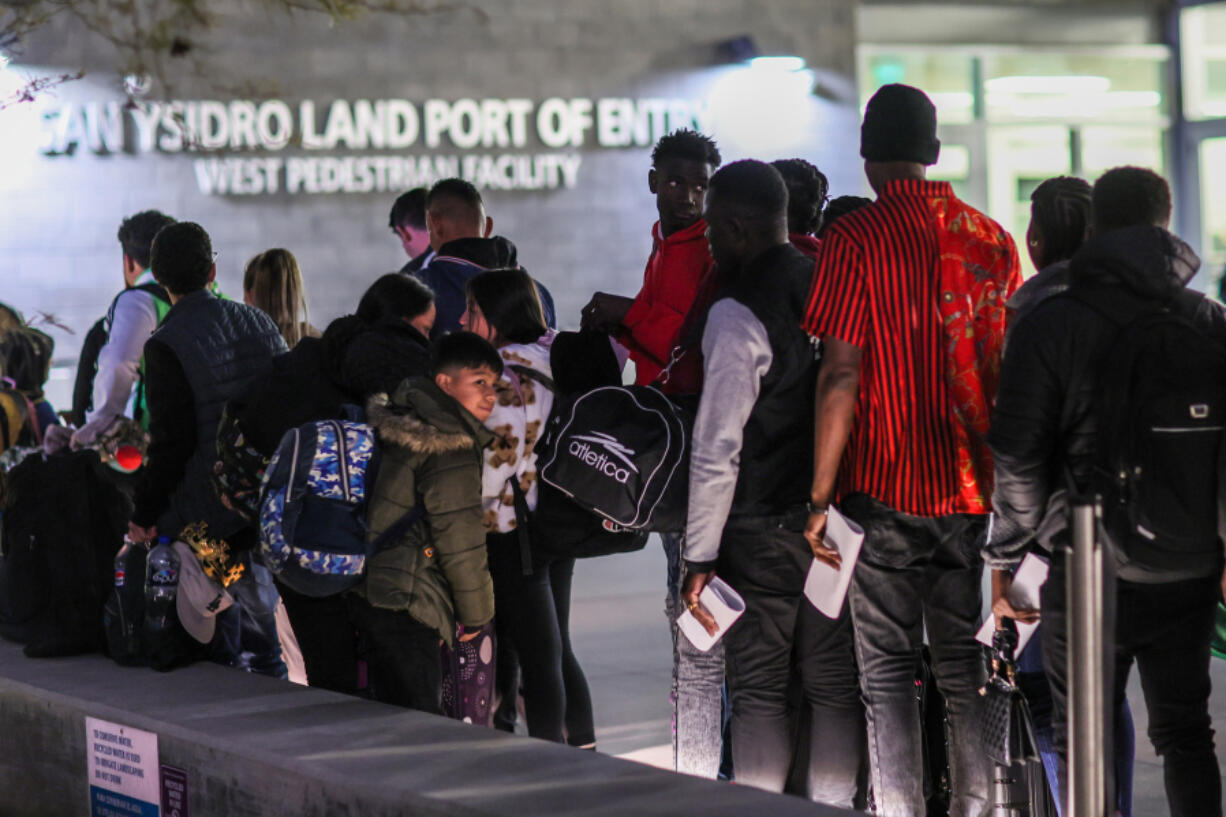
(697, 685)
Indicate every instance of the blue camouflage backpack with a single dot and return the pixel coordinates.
(313, 533)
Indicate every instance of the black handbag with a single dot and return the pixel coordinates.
(1007, 730)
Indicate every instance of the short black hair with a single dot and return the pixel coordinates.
(510, 302)
(181, 257)
(1060, 211)
(839, 207)
(463, 350)
(687, 145)
(807, 189)
(454, 198)
(754, 187)
(136, 234)
(409, 208)
(394, 296)
(1130, 197)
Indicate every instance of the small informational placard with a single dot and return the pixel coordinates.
(123, 770)
(174, 792)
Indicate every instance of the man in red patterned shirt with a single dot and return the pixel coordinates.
(908, 299)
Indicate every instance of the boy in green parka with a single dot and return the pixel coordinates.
(436, 576)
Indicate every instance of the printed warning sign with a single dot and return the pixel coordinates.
(122, 766)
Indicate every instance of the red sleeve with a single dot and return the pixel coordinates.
(838, 305)
(651, 329)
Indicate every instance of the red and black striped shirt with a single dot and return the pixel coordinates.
(876, 286)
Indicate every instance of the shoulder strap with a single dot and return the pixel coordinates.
(533, 374)
(522, 524)
(399, 528)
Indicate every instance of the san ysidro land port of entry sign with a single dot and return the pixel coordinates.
(123, 770)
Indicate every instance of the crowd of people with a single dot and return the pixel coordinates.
(879, 356)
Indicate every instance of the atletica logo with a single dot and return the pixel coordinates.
(581, 448)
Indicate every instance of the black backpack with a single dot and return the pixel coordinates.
(1160, 407)
(63, 521)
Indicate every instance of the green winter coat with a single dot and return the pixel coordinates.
(431, 454)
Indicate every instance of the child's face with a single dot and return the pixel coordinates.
(471, 388)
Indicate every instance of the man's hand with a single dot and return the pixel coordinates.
(138, 534)
(815, 533)
(690, 592)
(1002, 608)
(605, 312)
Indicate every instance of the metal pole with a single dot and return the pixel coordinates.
(1087, 737)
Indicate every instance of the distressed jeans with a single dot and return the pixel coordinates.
(918, 573)
(697, 685)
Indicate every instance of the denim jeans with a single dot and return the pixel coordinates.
(918, 573)
(1165, 629)
(780, 635)
(697, 685)
(246, 633)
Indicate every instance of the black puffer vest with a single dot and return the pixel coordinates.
(223, 346)
(777, 453)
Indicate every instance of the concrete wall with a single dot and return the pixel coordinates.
(59, 214)
(253, 746)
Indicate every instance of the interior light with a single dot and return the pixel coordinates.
(778, 63)
(1072, 84)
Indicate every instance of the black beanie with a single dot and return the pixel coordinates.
(900, 125)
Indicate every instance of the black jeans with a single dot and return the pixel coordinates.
(765, 559)
(403, 656)
(533, 614)
(918, 573)
(1165, 629)
(327, 638)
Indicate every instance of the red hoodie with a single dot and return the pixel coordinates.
(810, 245)
(679, 269)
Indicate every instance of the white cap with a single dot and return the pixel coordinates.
(200, 598)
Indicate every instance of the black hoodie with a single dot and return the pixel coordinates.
(1043, 422)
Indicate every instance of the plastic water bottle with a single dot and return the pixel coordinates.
(124, 609)
(161, 587)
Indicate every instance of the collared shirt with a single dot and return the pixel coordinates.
(900, 279)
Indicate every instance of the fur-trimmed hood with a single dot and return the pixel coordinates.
(421, 418)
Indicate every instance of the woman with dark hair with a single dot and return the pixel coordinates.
(1059, 225)
(396, 314)
(531, 612)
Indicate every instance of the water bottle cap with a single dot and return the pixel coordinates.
(163, 540)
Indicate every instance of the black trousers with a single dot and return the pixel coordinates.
(780, 633)
(1165, 629)
(327, 638)
(532, 613)
(403, 657)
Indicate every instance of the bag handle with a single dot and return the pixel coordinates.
(522, 515)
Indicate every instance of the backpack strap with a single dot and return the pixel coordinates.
(399, 528)
(533, 374)
(522, 525)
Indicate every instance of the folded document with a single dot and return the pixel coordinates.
(724, 603)
(826, 587)
(1023, 594)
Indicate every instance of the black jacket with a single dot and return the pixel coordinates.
(1043, 424)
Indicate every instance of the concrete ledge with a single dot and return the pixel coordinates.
(256, 746)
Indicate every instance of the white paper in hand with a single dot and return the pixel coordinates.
(826, 587)
(724, 603)
(1023, 594)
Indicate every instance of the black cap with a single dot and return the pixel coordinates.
(900, 125)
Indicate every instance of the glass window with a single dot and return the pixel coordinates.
(1213, 205)
(1074, 88)
(1202, 32)
(1103, 148)
(947, 79)
(1021, 158)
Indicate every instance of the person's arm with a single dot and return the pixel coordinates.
(837, 392)
(450, 490)
(837, 312)
(736, 356)
(172, 433)
(1023, 438)
(132, 322)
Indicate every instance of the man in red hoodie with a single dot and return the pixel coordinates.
(678, 286)
(680, 272)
